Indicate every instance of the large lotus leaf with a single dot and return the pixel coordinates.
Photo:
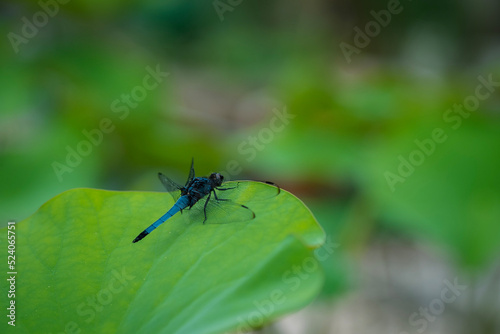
(77, 268)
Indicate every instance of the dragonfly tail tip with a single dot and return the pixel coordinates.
(140, 237)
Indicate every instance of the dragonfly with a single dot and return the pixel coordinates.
(192, 192)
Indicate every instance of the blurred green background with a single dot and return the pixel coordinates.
(353, 145)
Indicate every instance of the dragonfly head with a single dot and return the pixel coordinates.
(216, 179)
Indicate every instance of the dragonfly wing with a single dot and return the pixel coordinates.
(168, 183)
(172, 187)
(191, 173)
(221, 211)
(250, 191)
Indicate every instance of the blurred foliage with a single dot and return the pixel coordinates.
(226, 78)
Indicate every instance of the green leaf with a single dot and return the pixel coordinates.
(78, 268)
(451, 197)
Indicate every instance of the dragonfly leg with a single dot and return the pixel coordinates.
(220, 199)
(226, 188)
(205, 207)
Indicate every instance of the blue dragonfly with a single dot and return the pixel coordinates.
(195, 189)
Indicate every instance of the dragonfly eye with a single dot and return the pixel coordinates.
(217, 177)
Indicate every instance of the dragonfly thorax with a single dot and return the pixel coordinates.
(200, 187)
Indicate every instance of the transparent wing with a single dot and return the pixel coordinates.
(226, 210)
(220, 211)
(191, 172)
(249, 191)
(168, 183)
(172, 187)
